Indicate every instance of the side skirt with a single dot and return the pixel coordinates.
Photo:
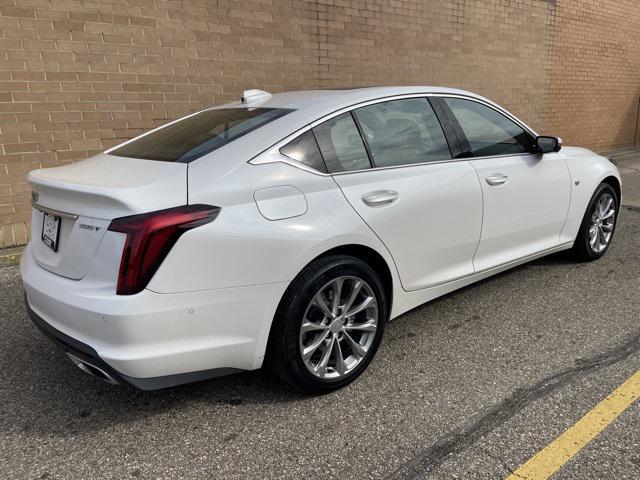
(406, 301)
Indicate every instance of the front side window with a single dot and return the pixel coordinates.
(402, 132)
(488, 131)
(199, 134)
(341, 144)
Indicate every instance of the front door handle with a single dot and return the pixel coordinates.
(497, 179)
(380, 198)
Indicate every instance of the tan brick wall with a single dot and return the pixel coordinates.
(595, 74)
(78, 76)
(497, 48)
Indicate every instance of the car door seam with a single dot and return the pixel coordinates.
(473, 260)
(566, 217)
(372, 231)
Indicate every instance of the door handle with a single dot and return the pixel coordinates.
(380, 198)
(497, 179)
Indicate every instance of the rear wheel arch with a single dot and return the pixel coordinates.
(372, 258)
(283, 355)
(366, 254)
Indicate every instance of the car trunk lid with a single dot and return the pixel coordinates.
(82, 198)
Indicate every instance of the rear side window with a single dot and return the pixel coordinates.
(488, 131)
(341, 144)
(402, 132)
(305, 150)
(199, 134)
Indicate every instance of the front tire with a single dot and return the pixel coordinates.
(598, 225)
(328, 325)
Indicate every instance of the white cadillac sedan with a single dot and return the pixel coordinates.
(285, 230)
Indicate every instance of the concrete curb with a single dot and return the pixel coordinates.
(630, 163)
(624, 158)
(10, 256)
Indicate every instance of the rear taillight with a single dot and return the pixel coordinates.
(150, 237)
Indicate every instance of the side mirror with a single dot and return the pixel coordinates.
(545, 144)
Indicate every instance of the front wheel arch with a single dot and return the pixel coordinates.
(615, 184)
(581, 250)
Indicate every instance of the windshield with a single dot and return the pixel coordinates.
(199, 134)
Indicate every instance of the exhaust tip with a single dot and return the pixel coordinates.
(92, 370)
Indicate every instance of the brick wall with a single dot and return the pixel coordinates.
(595, 73)
(78, 76)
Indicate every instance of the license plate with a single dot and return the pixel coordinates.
(51, 231)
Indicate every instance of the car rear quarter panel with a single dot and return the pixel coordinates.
(242, 247)
(587, 170)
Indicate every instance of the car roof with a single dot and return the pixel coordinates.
(308, 106)
(330, 100)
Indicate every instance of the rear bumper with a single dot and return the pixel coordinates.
(152, 340)
(83, 355)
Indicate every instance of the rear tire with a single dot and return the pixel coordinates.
(598, 225)
(321, 341)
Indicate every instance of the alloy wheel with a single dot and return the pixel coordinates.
(602, 223)
(338, 328)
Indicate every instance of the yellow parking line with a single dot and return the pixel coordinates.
(552, 457)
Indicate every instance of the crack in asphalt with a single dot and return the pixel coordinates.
(504, 464)
(428, 459)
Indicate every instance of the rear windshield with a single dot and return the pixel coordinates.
(195, 136)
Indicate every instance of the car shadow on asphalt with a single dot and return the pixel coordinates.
(60, 399)
(57, 398)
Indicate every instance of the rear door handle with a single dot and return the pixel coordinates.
(380, 198)
(497, 179)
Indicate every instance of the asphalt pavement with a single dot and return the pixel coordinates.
(467, 386)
